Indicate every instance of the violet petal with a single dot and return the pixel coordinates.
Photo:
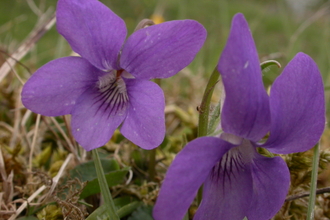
(162, 50)
(92, 30)
(271, 180)
(93, 120)
(228, 189)
(245, 112)
(54, 88)
(145, 121)
(297, 107)
(186, 174)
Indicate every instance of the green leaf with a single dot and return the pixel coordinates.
(113, 178)
(186, 216)
(143, 212)
(214, 122)
(122, 201)
(99, 214)
(139, 159)
(104, 187)
(128, 209)
(86, 171)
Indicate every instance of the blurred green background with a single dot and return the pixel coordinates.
(280, 28)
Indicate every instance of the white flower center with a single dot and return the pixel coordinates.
(113, 93)
(234, 162)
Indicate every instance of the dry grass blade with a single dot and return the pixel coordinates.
(34, 142)
(8, 188)
(60, 129)
(15, 72)
(23, 206)
(59, 174)
(28, 44)
(7, 184)
(2, 166)
(16, 135)
(26, 116)
(43, 187)
(6, 126)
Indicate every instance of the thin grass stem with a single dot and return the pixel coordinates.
(34, 140)
(312, 196)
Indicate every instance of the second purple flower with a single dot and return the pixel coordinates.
(238, 181)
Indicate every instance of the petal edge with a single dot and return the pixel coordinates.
(92, 30)
(245, 112)
(162, 50)
(54, 88)
(145, 121)
(183, 177)
(297, 107)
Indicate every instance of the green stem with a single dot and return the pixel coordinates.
(204, 110)
(312, 195)
(111, 210)
(205, 105)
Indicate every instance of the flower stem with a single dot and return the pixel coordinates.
(205, 105)
(111, 210)
(312, 195)
(204, 110)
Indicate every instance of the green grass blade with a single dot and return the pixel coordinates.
(108, 202)
(312, 195)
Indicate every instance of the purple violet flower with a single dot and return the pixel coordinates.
(109, 85)
(238, 181)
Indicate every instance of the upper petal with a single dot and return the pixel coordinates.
(93, 120)
(162, 50)
(186, 174)
(92, 30)
(245, 112)
(145, 121)
(297, 107)
(271, 181)
(54, 88)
